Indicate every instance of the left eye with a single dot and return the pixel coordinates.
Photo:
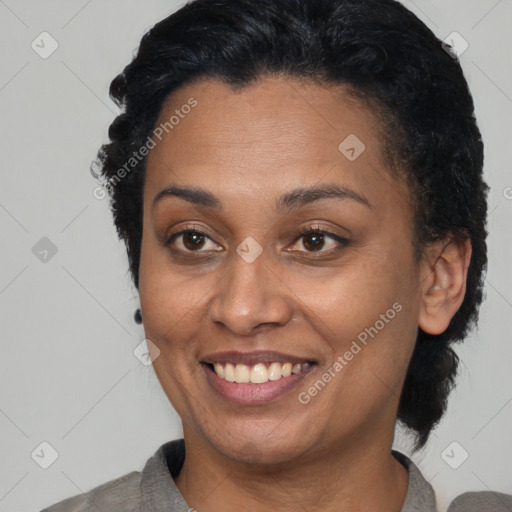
(316, 240)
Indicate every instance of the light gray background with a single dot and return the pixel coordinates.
(68, 374)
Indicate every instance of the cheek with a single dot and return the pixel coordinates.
(170, 302)
(367, 314)
(350, 299)
(171, 308)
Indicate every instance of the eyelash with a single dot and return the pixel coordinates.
(317, 230)
(343, 242)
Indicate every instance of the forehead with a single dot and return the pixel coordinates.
(280, 115)
(275, 134)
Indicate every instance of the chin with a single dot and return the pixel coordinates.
(259, 445)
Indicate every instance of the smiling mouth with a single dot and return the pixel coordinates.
(257, 377)
(258, 373)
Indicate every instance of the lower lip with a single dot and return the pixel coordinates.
(253, 394)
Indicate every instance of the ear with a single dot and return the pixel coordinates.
(443, 274)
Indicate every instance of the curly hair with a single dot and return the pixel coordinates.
(386, 55)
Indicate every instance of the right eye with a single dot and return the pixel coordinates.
(191, 240)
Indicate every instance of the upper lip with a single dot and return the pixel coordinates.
(252, 358)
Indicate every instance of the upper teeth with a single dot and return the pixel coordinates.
(257, 374)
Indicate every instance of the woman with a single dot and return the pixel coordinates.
(299, 187)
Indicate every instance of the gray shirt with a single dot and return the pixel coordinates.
(153, 490)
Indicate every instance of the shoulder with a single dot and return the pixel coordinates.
(150, 489)
(481, 501)
(119, 495)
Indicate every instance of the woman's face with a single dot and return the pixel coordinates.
(250, 297)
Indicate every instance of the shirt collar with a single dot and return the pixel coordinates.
(160, 494)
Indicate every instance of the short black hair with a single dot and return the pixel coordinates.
(385, 54)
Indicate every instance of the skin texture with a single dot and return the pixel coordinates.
(248, 148)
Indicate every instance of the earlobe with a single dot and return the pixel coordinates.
(444, 276)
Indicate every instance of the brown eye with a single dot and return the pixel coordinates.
(314, 241)
(319, 240)
(193, 240)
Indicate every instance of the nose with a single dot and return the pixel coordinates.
(250, 296)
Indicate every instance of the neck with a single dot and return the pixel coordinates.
(359, 475)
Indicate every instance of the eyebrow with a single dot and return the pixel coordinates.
(193, 195)
(303, 196)
(292, 200)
